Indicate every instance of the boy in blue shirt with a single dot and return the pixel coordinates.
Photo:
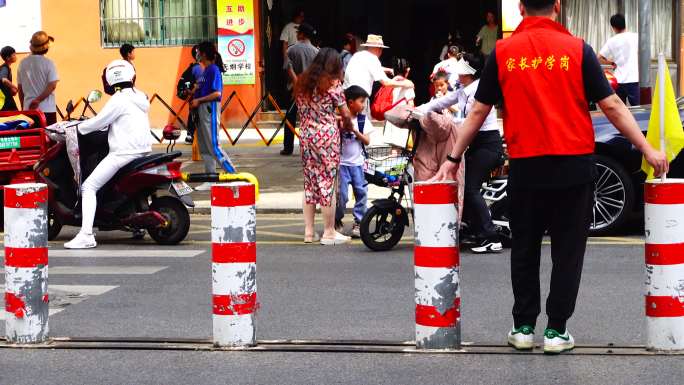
(353, 158)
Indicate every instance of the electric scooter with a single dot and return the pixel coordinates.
(147, 194)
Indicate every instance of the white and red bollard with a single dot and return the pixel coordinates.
(234, 288)
(26, 263)
(664, 215)
(438, 301)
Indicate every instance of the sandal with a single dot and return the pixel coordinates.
(312, 239)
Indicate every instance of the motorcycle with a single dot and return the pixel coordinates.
(149, 194)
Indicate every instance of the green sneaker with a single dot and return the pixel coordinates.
(556, 343)
(521, 338)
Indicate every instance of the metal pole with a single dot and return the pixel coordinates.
(662, 67)
(438, 300)
(645, 15)
(233, 237)
(664, 265)
(26, 263)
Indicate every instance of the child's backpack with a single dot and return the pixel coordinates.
(186, 82)
(383, 102)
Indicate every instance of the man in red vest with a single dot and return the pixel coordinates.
(545, 79)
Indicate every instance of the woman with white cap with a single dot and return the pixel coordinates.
(483, 155)
(125, 116)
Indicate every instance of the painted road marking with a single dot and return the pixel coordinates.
(58, 252)
(131, 253)
(599, 241)
(265, 217)
(62, 296)
(102, 270)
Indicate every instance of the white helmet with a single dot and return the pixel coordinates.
(119, 71)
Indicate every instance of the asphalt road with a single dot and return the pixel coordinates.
(132, 288)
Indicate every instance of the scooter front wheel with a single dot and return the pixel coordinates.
(381, 228)
(54, 225)
(177, 218)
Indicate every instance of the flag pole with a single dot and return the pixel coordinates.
(661, 104)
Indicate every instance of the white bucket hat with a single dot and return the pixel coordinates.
(374, 41)
(464, 68)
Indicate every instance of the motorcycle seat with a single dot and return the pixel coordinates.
(144, 161)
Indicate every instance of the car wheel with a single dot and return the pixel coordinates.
(613, 197)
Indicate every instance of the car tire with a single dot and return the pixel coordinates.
(614, 197)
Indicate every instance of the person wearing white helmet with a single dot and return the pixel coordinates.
(126, 117)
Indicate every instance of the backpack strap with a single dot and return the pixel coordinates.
(361, 121)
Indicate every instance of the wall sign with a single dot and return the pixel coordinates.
(236, 40)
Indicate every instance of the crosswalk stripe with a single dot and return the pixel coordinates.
(103, 253)
(2, 313)
(102, 270)
(75, 294)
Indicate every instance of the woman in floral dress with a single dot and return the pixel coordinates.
(321, 104)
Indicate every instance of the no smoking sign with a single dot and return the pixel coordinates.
(236, 47)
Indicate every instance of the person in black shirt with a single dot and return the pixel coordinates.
(8, 89)
(557, 171)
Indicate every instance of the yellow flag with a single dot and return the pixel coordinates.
(674, 134)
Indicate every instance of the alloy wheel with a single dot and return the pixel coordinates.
(609, 198)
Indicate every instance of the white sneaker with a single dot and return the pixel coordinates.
(556, 343)
(338, 240)
(206, 186)
(81, 241)
(521, 338)
(486, 247)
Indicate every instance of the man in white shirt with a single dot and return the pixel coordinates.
(364, 68)
(622, 51)
(37, 78)
(288, 36)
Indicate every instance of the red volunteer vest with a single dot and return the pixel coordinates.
(545, 110)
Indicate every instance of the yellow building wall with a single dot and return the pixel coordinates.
(80, 59)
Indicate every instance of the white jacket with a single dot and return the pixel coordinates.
(125, 114)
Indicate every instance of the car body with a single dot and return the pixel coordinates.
(619, 188)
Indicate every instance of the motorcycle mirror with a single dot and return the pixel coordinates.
(94, 96)
(70, 107)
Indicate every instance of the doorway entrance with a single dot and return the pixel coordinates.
(414, 29)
